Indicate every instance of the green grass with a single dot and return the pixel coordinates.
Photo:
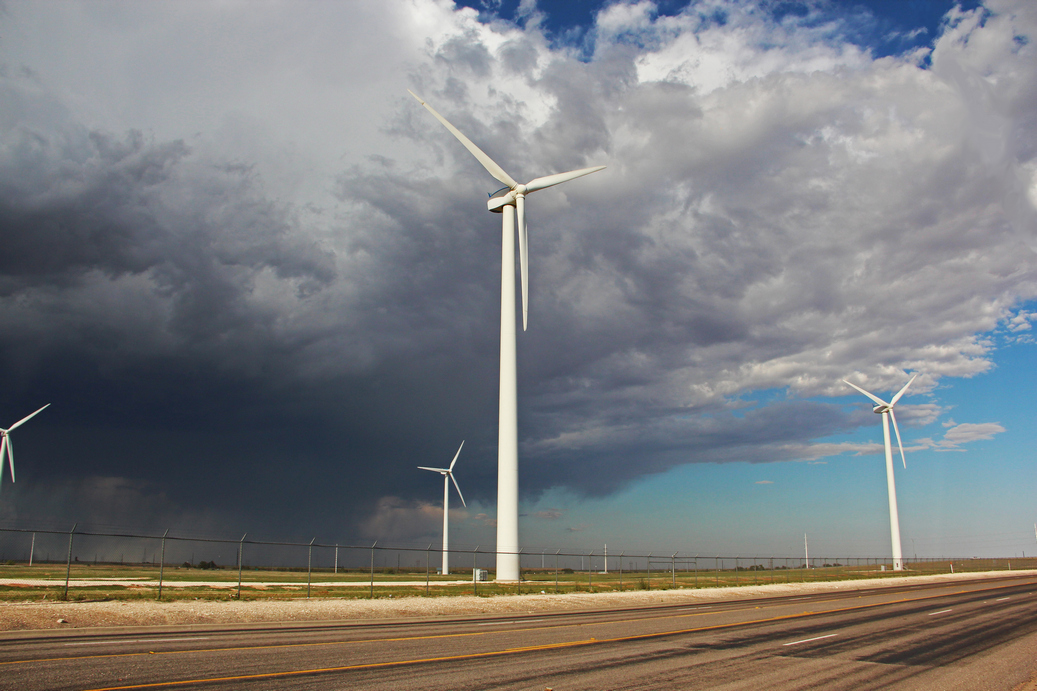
(294, 581)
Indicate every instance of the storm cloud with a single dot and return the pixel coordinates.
(265, 287)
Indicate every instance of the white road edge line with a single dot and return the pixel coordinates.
(942, 611)
(142, 640)
(807, 640)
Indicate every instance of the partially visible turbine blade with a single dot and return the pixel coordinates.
(10, 456)
(520, 204)
(434, 470)
(900, 393)
(893, 417)
(25, 419)
(488, 163)
(455, 456)
(458, 488)
(559, 178)
(3, 450)
(877, 400)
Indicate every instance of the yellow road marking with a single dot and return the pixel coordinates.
(512, 651)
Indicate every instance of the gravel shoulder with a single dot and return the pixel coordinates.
(16, 619)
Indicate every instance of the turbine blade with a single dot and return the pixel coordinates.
(520, 204)
(10, 456)
(458, 488)
(434, 470)
(25, 419)
(559, 178)
(3, 451)
(900, 393)
(488, 163)
(455, 456)
(893, 417)
(877, 400)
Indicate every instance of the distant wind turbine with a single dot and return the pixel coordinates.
(886, 411)
(6, 447)
(448, 475)
(508, 201)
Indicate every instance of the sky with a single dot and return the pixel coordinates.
(258, 286)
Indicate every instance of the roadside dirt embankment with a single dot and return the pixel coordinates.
(53, 615)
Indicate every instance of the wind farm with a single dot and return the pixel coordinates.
(260, 294)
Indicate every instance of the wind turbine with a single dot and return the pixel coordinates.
(448, 474)
(5, 443)
(886, 411)
(509, 201)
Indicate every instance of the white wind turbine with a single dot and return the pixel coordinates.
(448, 475)
(5, 444)
(508, 201)
(886, 411)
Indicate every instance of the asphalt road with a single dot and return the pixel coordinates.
(978, 635)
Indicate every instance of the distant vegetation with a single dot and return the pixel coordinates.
(20, 582)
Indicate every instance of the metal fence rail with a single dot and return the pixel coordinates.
(85, 564)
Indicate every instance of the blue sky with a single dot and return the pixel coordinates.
(255, 280)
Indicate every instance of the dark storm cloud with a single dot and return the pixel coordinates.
(268, 338)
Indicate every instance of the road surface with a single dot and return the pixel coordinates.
(977, 635)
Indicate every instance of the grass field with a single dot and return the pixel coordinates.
(89, 582)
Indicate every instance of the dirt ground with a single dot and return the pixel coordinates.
(27, 616)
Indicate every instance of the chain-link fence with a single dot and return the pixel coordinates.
(85, 565)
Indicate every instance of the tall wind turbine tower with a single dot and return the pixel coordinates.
(886, 411)
(448, 475)
(510, 202)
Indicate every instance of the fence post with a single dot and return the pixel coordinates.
(336, 558)
(556, 569)
(428, 550)
(162, 563)
(372, 568)
(68, 565)
(696, 564)
(241, 544)
(621, 571)
(590, 571)
(648, 562)
(32, 548)
(673, 569)
(716, 564)
(475, 581)
(309, 567)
